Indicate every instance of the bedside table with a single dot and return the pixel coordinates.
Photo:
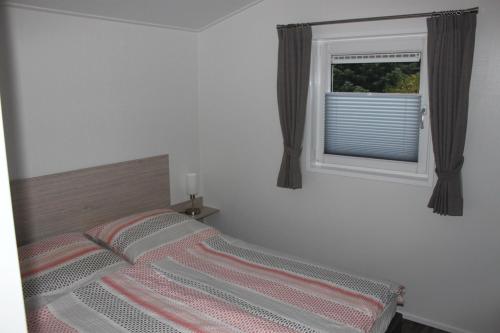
(206, 211)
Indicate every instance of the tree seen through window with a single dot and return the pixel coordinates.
(387, 77)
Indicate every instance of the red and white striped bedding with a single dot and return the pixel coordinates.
(134, 235)
(203, 281)
(52, 267)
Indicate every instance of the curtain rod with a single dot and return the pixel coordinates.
(474, 10)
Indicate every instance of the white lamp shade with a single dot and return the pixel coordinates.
(192, 183)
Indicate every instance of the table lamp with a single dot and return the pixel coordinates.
(192, 191)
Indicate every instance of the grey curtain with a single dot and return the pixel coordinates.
(450, 53)
(294, 60)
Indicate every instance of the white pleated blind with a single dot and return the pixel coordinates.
(375, 125)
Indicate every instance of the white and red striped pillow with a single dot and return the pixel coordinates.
(60, 264)
(136, 235)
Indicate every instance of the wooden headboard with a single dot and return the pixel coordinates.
(80, 199)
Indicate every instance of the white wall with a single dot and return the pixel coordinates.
(449, 265)
(82, 92)
(11, 303)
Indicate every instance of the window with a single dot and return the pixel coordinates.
(369, 98)
(374, 107)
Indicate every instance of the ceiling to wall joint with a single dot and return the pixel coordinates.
(188, 15)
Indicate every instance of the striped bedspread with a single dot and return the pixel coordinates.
(208, 282)
(55, 266)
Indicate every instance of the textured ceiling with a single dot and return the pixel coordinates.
(183, 14)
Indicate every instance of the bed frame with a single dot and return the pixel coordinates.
(78, 200)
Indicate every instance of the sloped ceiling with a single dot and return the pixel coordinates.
(192, 15)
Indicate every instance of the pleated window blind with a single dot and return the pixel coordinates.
(384, 126)
(375, 125)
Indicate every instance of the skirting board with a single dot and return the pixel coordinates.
(432, 323)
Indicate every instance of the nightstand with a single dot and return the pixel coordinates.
(206, 211)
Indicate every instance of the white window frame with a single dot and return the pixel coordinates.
(420, 173)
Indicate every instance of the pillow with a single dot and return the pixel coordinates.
(55, 266)
(135, 235)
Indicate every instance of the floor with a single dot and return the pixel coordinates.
(411, 327)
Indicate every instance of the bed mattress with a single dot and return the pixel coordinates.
(204, 281)
(384, 320)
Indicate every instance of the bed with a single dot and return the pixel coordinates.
(151, 269)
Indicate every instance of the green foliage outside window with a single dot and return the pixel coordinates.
(390, 77)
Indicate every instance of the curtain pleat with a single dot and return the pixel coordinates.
(294, 61)
(451, 41)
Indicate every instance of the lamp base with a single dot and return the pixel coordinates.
(192, 211)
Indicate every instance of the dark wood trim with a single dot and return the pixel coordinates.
(396, 324)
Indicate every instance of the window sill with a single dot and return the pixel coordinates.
(372, 173)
